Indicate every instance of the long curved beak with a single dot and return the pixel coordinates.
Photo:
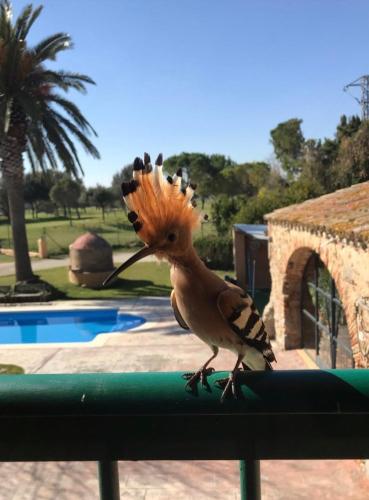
(143, 252)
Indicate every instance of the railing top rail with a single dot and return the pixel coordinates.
(156, 393)
(281, 414)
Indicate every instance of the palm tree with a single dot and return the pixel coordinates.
(35, 120)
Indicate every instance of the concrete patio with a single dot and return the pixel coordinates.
(160, 345)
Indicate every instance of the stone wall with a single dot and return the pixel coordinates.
(348, 264)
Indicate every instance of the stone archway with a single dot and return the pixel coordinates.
(289, 250)
(292, 296)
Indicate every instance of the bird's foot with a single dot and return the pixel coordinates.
(228, 385)
(201, 375)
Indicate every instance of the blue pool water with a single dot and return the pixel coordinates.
(38, 327)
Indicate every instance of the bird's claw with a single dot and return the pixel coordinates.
(194, 377)
(228, 385)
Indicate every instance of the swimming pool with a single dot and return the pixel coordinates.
(79, 325)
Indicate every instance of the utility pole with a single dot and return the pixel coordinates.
(363, 83)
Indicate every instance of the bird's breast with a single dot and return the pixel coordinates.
(197, 304)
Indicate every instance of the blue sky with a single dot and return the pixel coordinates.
(211, 76)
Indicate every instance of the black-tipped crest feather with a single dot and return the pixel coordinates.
(138, 164)
(147, 159)
(159, 160)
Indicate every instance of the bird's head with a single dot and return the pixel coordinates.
(161, 212)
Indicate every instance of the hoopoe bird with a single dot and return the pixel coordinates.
(219, 312)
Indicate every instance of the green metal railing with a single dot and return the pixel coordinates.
(149, 416)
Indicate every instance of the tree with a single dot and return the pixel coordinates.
(352, 164)
(252, 211)
(65, 193)
(301, 190)
(317, 162)
(237, 180)
(124, 175)
(35, 119)
(245, 178)
(201, 169)
(181, 161)
(347, 127)
(102, 197)
(259, 174)
(288, 141)
(35, 190)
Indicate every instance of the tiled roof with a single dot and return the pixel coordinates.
(344, 213)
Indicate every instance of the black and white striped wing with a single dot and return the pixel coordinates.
(239, 310)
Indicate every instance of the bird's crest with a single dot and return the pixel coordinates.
(155, 202)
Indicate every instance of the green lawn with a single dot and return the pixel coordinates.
(5, 258)
(145, 278)
(60, 233)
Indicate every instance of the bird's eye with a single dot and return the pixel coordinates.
(171, 237)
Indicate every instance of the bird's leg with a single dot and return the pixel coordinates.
(202, 373)
(245, 367)
(229, 383)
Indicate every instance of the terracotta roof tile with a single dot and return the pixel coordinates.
(344, 213)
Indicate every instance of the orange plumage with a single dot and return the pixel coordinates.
(158, 205)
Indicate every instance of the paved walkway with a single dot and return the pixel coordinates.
(7, 268)
(161, 346)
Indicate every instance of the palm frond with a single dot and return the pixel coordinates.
(51, 156)
(63, 79)
(62, 143)
(21, 22)
(39, 150)
(78, 77)
(50, 46)
(36, 140)
(86, 143)
(34, 14)
(6, 14)
(72, 110)
(61, 150)
(31, 158)
(30, 106)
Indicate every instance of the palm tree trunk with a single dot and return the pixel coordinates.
(12, 169)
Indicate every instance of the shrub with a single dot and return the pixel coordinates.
(215, 251)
